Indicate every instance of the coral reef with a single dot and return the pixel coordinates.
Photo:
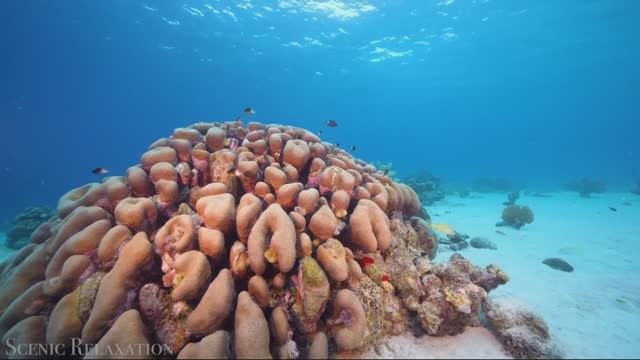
(516, 216)
(246, 241)
(427, 186)
(25, 223)
(586, 186)
(523, 334)
(454, 294)
(511, 198)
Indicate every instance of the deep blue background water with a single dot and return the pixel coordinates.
(539, 91)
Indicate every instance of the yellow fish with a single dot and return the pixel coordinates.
(444, 228)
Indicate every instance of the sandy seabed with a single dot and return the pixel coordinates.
(593, 312)
(474, 343)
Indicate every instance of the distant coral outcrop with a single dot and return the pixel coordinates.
(25, 223)
(427, 186)
(586, 186)
(516, 216)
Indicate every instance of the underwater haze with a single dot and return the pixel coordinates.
(503, 134)
(537, 91)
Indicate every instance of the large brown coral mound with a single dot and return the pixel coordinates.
(181, 235)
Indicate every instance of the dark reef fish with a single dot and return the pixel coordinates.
(249, 111)
(558, 264)
(612, 208)
(332, 123)
(353, 148)
(500, 232)
(100, 171)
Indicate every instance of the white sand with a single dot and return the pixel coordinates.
(474, 343)
(581, 308)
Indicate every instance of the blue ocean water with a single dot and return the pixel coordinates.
(537, 91)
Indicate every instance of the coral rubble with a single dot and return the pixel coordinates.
(523, 334)
(246, 241)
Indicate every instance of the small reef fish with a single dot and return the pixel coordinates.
(332, 123)
(249, 111)
(612, 208)
(353, 148)
(386, 172)
(337, 145)
(626, 203)
(319, 132)
(366, 261)
(100, 171)
(558, 264)
(500, 232)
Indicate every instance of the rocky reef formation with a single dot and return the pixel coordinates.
(25, 223)
(479, 242)
(586, 186)
(455, 294)
(524, 334)
(427, 186)
(255, 242)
